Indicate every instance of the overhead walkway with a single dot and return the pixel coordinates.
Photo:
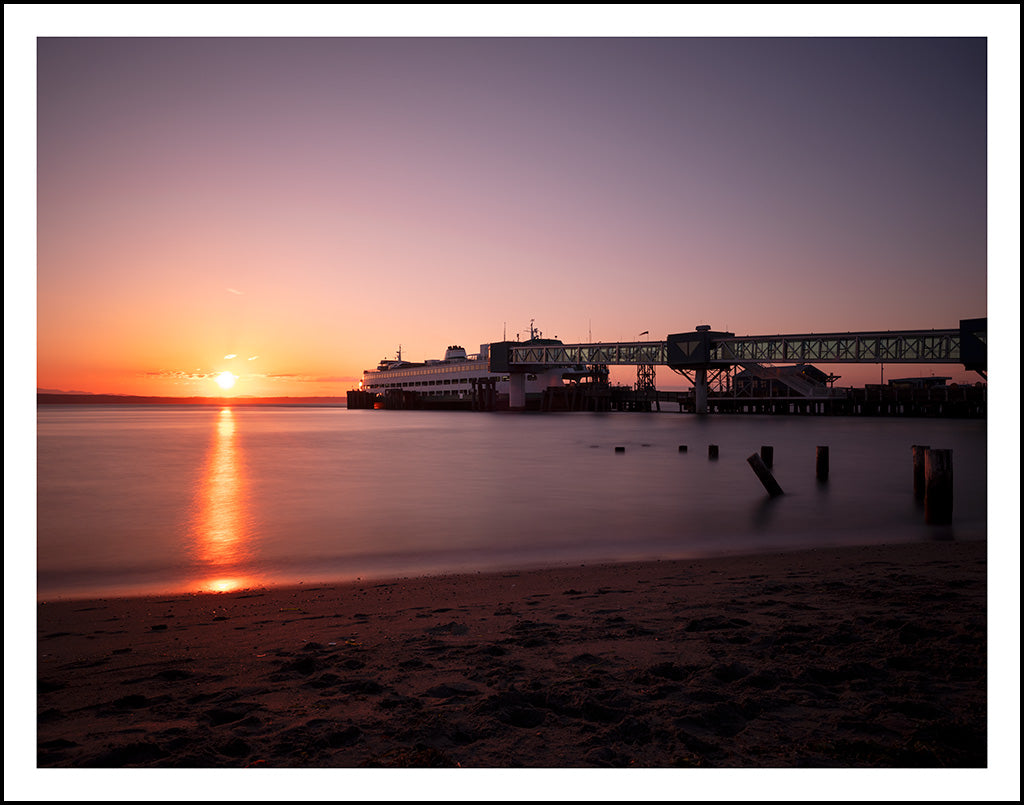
(704, 350)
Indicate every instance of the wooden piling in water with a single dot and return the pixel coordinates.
(767, 455)
(764, 475)
(919, 451)
(682, 448)
(938, 487)
(821, 463)
(620, 449)
(712, 451)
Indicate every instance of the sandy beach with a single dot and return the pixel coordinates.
(870, 657)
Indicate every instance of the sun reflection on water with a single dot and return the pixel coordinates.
(221, 526)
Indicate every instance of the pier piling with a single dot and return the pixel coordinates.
(919, 451)
(938, 487)
(767, 455)
(712, 451)
(821, 463)
(764, 475)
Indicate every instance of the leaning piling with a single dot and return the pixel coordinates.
(764, 475)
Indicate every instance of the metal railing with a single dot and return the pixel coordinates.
(911, 346)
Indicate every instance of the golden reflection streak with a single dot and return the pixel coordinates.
(220, 526)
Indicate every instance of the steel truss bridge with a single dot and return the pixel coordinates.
(704, 350)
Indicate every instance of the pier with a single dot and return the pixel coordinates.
(730, 374)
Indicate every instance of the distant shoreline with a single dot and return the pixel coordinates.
(125, 399)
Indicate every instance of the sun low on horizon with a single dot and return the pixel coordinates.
(226, 380)
(307, 205)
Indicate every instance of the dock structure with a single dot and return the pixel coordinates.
(704, 355)
(763, 374)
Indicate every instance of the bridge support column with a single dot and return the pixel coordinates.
(517, 391)
(700, 390)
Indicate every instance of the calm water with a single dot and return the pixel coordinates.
(134, 500)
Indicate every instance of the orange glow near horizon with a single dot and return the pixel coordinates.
(468, 186)
(226, 380)
(221, 528)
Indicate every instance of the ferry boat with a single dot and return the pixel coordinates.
(460, 379)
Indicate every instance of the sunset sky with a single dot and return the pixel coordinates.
(176, 193)
(291, 210)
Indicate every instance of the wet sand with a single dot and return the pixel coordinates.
(869, 657)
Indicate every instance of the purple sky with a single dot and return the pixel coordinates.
(313, 207)
(313, 203)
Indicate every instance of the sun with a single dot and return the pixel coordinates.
(225, 380)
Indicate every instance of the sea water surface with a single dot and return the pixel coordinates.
(135, 500)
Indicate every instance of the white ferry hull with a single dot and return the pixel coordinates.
(460, 380)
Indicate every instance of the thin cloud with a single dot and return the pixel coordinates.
(338, 379)
(311, 378)
(229, 357)
(234, 291)
(179, 374)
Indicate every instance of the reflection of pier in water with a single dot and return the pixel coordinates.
(221, 527)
